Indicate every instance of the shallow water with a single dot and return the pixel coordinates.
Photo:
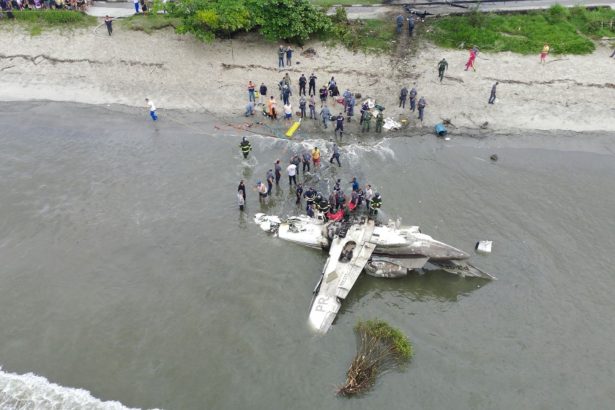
(128, 271)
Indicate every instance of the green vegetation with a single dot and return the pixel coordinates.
(35, 21)
(380, 347)
(329, 3)
(567, 31)
(289, 20)
(364, 35)
(150, 22)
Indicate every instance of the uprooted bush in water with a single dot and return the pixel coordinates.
(380, 348)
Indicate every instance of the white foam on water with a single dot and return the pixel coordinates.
(30, 391)
(356, 152)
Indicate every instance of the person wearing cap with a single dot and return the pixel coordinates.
(309, 196)
(375, 204)
(246, 147)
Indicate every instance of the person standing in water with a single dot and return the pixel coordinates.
(246, 147)
(240, 201)
(241, 189)
(339, 125)
(336, 155)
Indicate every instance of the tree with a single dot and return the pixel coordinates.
(291, 20)
(206, 18)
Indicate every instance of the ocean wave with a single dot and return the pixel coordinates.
(32, 392)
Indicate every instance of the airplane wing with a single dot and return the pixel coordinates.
(347, 258)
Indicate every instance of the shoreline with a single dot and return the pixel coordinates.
(569, 93)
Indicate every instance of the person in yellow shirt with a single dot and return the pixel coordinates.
(544, 53)
(316, 157)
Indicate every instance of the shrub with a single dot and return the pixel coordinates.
(380, 347)
(557, 13)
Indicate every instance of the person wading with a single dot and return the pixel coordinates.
(246, 147)
(336, 155)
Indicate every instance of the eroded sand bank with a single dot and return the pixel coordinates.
(569, 93)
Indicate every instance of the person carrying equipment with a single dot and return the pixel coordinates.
(309, 196)
(323, 205)
(246, 147)
(375, 204)
(379, 121)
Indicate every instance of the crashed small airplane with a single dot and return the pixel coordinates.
(386, 251)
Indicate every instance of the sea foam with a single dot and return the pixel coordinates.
(30, 391)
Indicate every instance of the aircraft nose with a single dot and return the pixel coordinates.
(447, 252)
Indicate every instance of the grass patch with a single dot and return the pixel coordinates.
(35, 30)
(151, 22)
(567, 31)
(35, 21)
(371, 35)
(52, 18)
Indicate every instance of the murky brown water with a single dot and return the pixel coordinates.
(128, 271)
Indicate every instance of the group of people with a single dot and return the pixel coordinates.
(400, 24)
(337, 205)
(315, 201)
(285, 54)
(258, 96)
(12, 5)
(140, 5)
(411, 95)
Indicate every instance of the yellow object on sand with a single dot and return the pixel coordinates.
(292, 129)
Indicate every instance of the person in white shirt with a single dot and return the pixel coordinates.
(369, 194)
(152, 109)
(288, 111)
(240, 201)
(292, 174)
(136, 3)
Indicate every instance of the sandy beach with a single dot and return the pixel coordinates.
(179, 72)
